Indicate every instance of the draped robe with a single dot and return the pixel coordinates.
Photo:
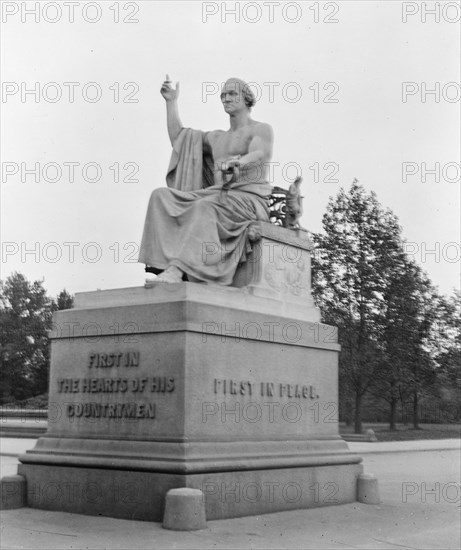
(195, 226)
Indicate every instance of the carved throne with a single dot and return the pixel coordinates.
(279, 266)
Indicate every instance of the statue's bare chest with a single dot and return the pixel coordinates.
(227, 144)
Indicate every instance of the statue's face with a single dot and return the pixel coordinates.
(232, 97)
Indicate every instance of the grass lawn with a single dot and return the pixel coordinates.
(407, 432)
(38, 402)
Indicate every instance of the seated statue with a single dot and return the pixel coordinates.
(197, 227)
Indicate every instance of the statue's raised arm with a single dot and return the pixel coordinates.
(171, 95)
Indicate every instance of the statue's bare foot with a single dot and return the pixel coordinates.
(171, 275)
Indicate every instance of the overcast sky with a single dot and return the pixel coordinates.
(344, 86)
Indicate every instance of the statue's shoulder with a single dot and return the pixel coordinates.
(262, 129)
(212, 135)
(215, 132)
(261, 126)
(257, 123)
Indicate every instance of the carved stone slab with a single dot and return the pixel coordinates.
(279, 266)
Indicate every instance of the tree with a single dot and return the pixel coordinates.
(25, 317)
(63, 301)
(407, 368)
(351, 268)
(399, 338)
(445, 341)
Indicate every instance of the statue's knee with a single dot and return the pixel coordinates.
(159, 194)
(161, 191)
(201, 206)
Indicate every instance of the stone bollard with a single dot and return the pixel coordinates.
(370, 435)
(367, 489)
(13, 492)
(184, 510)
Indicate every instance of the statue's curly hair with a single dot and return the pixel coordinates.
(248, 96)
(247, 93)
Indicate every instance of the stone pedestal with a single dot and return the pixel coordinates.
(172, 386)
(233, 391)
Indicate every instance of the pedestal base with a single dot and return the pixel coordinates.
(141, 495)
(190, 386)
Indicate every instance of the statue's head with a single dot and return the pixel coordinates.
(236, 94)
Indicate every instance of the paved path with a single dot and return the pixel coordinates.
(410, 516)
(363, 447)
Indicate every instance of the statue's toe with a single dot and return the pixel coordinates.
(170, 275)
